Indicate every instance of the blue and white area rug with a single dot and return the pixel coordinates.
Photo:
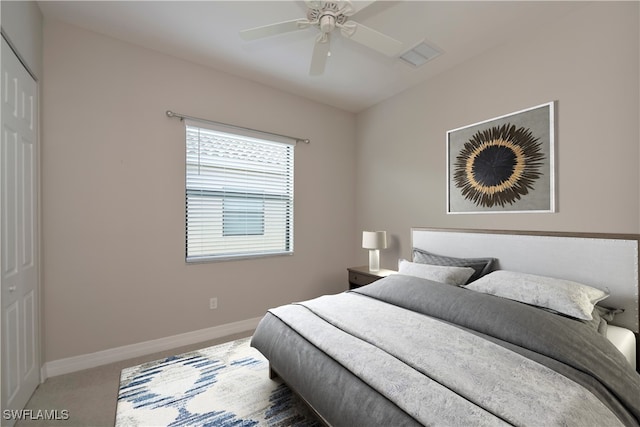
(224, 385)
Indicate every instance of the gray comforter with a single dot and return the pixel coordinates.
(372, 357)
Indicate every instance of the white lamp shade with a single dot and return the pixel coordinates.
(374, 239)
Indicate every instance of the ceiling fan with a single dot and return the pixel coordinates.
(327, 16)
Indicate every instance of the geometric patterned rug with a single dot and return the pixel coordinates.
(223, 385)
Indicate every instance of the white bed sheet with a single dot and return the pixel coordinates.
(625, 341)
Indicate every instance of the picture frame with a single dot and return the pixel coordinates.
(504, 164)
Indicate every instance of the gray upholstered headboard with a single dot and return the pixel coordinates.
(604, 261)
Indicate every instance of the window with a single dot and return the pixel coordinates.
(242, 217)
(239, 194)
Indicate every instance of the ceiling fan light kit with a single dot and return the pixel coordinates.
(327, 16)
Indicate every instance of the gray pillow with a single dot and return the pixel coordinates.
(601, 318)
(481, 266)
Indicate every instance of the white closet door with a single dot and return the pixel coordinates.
(19, 234)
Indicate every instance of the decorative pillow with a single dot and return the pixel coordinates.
(564, 296)
(456, 276)
(481, 266)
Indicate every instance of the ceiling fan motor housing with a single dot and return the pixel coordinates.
(327, 16)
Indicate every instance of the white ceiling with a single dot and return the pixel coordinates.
(355, 78)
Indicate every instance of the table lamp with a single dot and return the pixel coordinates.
(374, 241)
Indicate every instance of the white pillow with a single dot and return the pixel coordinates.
(564, 296)
(457, 276)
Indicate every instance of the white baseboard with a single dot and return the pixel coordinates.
(104, 357)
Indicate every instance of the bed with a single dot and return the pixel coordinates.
(478, 328)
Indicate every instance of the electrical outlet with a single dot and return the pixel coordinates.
(213, 303)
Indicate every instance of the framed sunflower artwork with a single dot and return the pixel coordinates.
(505, 164)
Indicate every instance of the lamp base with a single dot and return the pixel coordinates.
(374, 259)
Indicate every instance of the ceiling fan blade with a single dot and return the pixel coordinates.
(314, 4)
(320, 54)
(273, 29)
(371, 38)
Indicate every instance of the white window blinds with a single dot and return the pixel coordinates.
(239, 194)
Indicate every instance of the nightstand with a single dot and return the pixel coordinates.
(360, 276)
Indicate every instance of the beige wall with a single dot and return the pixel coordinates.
(587, 61)
(113, 196)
